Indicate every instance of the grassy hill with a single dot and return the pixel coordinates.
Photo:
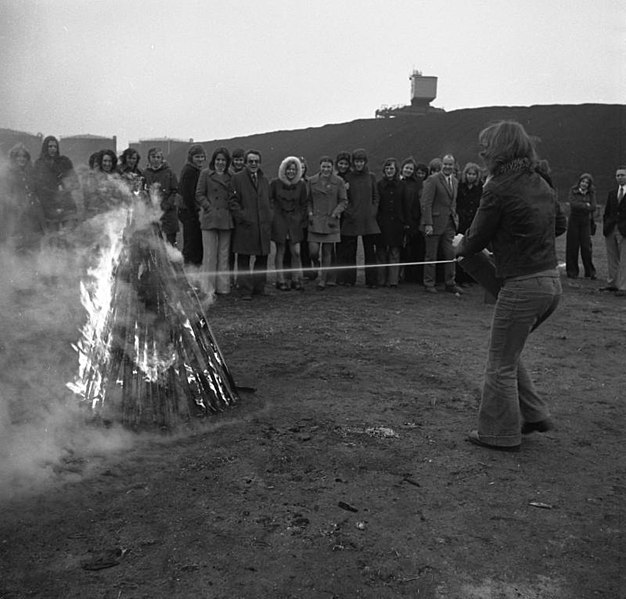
(574, 138)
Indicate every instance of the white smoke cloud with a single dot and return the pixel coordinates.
(47, 432)
(44, 430)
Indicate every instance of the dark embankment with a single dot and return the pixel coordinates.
(574, 139)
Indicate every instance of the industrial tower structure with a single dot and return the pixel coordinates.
(423, 92)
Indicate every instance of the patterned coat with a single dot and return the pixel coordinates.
(327, 197)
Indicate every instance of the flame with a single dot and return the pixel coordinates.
(145, 337)
(96, 294)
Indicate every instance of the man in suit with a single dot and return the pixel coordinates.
(614, 229)
(439, 223)
(252, 213)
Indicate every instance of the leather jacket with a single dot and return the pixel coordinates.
(519, 218)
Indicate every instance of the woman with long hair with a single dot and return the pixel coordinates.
(22, 222)
(216, 222)
(582, 204)
(467, 202)
(108, 162)
(188, 209)
(413, 250)
(55, 182)
(519, 217)
(100, 184)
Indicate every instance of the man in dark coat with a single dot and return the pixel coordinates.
(251, 208)
(614, 229)
(439, 223)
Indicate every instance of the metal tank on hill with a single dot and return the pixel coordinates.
(423, 92)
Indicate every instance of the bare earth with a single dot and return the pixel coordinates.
(347, 474)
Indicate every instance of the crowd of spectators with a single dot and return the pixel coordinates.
(228, 215)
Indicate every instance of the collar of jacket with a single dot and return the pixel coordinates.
(223, 180)
(156, 170)
(195, 166)
(515, 166)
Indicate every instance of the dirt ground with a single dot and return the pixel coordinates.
(347, 473)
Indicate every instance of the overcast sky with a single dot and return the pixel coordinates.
(208, 69)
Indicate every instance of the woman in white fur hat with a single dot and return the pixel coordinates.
(288, 195)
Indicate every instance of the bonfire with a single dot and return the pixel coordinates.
(147, 355)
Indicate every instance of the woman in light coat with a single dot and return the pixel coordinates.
(212, 195)
(328, 198)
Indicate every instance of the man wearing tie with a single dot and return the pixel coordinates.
(252, 213)
(439, 223)
(614, 229)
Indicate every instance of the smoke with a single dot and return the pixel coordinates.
(44, 433)
(49, 298)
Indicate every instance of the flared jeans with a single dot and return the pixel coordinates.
(216, 246)
(509, 397)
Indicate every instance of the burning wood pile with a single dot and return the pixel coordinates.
(147, 356)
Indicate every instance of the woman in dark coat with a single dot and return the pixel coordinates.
(162, 186)
(128, 169)
(22, 222)
(582, 203)
(188, 211)
(54, 182)
(467, 202)
(289, 196)
(392, 220)
(413, 250)
(359, 220)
